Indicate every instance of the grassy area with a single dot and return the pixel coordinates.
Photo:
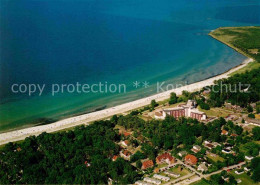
(217, 158)
(248, 67)
(246, 180)
(182, 173)
(201, 182)
(216, 112)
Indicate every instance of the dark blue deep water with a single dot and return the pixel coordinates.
(113, 41)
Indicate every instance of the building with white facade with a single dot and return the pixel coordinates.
(188, 110)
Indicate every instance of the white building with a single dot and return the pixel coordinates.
(202, 167)
(142, 183)
(172, 174)
(153, 181)
(249, 157)
(161, 177)
(187, 110)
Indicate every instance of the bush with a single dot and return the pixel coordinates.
(251, 115)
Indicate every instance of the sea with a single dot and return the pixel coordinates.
(119, 50)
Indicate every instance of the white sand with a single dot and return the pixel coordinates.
(90, 117)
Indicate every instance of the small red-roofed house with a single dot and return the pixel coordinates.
(224, 132)
(191, 159)
(114, 158)
(125, 143)
(165, 158)
(147, 164)
(87, 164)
(126, 134)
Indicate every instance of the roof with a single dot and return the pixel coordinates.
(126, 153)
(127, 134)
(126, 142)
(191, 159)
(197, 146)
(224, 132)
(147, 164)
(158, 114)
(203, 166)
(114, 157)
(164, 156)
(182, 153)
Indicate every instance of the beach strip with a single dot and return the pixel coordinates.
(102, 114)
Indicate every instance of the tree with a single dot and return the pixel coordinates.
(251, 115)
(154, 104)
(249, 108)
(173, 98)
(256, 133)
(138, 164)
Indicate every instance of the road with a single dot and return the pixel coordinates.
(199, 176)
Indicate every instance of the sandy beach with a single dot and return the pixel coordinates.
(90, 117)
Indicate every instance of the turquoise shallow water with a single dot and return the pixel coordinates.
(114, 41)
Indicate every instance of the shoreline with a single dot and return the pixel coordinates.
(86, 119)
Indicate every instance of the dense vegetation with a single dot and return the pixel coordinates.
(240, 89)
(60, 158)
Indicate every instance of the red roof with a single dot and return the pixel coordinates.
(164, 157)
(114, 157)
(126, 153)
(234, 135)
(126, 142)
(147, 164)
(126, 134)
(224, 132)
(191, 159)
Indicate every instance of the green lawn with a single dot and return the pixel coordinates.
(201, 182)
(248, 67)
(216, 112)
(246, 180)
(218, 158)
(182, 173)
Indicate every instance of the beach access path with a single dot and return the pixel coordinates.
(86, 119)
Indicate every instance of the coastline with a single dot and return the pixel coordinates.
(86, 119)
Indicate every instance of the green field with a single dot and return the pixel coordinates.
(201, 182)
(245, 40)
(218, 158)
(246, 180)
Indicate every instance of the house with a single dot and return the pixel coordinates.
(187, 110)
(87, 164)
(147, 164)
(182, 153)
(247, 169)
(172, 174)
(151, 180)
(165, 158)
(239, 181)
(215, 144)
(125, 143)
(158, 115)
(142, 183)
(114, 158)
(191, 159)
(249, 157)
(239, 172)
(202, 167)
(209, 145)
(161, 177)
(226, 151)
(196, 148)
(224, 132)
(126, 134)
(125, 154)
